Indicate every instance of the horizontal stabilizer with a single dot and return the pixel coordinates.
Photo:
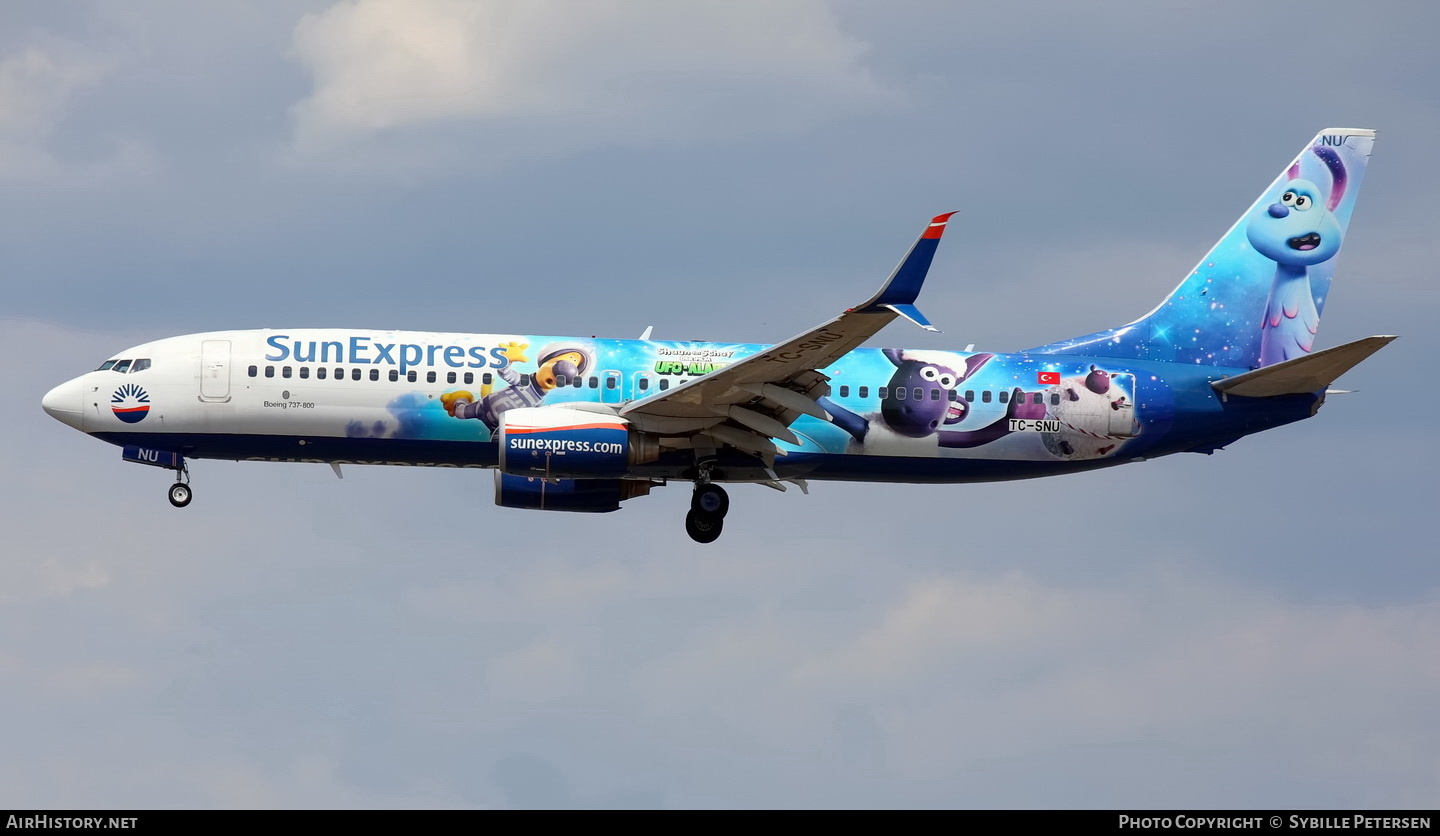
(1302, 375)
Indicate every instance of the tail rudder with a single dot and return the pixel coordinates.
(1256, 297)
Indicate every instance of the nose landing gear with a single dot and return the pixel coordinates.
(180, 493)
(708, 506)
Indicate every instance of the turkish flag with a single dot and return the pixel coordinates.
(1049, 378)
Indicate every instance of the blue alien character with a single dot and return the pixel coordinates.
(1295, 232)
(918, 405)
(557, 362)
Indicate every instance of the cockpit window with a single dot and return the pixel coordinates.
(121, 366)
(140, 365)
(105, 366)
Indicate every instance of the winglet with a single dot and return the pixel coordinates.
(937, 226)
(903, 287)
(913, 314)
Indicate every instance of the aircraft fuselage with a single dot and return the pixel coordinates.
(433, 399)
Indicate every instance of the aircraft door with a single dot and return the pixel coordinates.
(1122, 412)
(611, 387)
(215, 371)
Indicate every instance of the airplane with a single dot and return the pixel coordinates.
(576, 424)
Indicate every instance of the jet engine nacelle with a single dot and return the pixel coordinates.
(561, 441)
(596, 496)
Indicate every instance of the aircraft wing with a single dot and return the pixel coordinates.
(749, 403)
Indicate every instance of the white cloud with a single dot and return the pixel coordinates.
(35, 85)
(545, 76)
(52, 576)
(541, 673)
(38, 84)
(952, 618)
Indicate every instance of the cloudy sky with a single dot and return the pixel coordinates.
(1257, 628)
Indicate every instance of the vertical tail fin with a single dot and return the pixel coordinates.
(1255, 299)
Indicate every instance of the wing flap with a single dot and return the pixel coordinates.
(761, 395)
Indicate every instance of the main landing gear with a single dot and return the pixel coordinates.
(708, 506)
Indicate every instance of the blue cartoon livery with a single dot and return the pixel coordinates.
(584, 424)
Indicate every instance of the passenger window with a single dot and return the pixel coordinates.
(664, 383)
(917, 394)
(122, 367)
(1004, 397)
(844, 391)
(469, 377)
(355, 373)
(609, 383)
(594, 383)
(970, 396)
(320, 373)
(561, 380)
(105, 366)
(1054, 398)
(901, 393)
(430, 377)
(285, 371)
(254, 371)
(140, 365)
(394, 375)
(953, 396)
(487, 379)
(449, 377)
(934, 394)
(304, 372)
(339, 373)
(1037, 398)
(411, 375)
(884, 392)
(269, 371)
(985, 396)
(524, 380)
(864, 391)
(374, 374)
(644, 384)
(578, 382)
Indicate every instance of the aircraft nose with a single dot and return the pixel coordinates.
(63, 403)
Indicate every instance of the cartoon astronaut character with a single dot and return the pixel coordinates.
(557, 360)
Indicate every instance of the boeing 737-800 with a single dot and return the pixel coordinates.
(575, 424)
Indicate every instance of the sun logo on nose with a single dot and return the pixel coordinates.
(130, 403)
